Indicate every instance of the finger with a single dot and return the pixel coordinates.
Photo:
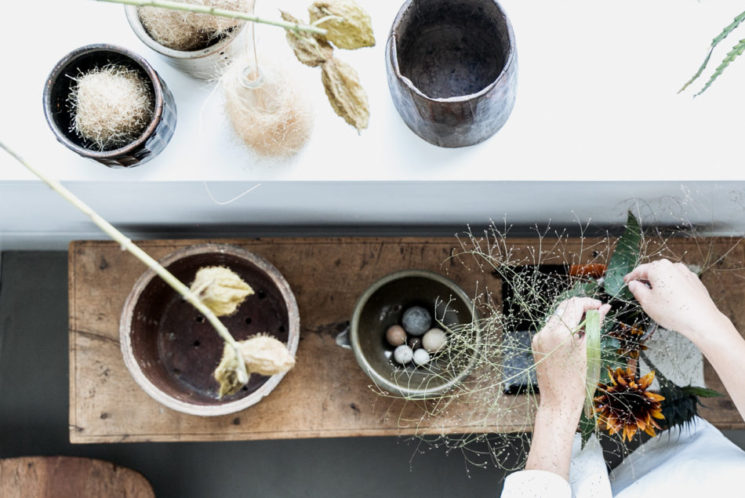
(555, 317)
(604, 309)
(684, 270)
(641, 292)
(576, 307)
(580, 340)
(641, 272)
(648, 271)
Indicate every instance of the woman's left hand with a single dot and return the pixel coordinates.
(560, 356)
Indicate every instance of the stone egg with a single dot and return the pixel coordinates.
(403, 354)
(395, 335)
(414, 343)
(434, 340)
(421, 357)
(416, 320)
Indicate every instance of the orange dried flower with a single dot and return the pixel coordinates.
(625, 406)
(592, 270)
(630, 339)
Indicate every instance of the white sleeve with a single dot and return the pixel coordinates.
(536, 484)
(588, 474)
(694, 461)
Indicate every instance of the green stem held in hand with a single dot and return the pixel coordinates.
(232, 14)
(128, 245)
(592, 343)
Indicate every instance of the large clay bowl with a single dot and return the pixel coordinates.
(172, 351)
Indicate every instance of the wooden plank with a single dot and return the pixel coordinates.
(326, 394)
(63, 477)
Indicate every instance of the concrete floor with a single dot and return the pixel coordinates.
(34, 408)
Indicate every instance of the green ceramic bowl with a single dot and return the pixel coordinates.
(383, 304)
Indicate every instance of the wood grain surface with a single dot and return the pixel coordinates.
(326, 394)
(65, 477)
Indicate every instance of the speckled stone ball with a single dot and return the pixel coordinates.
(416, 320)
(434, 340)
(395, 335)
(421, 357)
(403, 354)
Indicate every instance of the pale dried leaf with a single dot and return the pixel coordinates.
(345, 93)
(309, 50)
(266, 355)
(220, 289)
(226, 373)
(349, 26)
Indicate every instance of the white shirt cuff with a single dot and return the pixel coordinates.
(536, 483)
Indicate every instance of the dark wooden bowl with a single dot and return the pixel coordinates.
(383, 304)
(172, 351)
(59, 84)
(452, 69)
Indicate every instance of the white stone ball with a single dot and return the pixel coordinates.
(434, 340)
(403, 354)
(421, 357)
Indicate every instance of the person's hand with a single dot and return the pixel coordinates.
(674, 297)
(561, 358)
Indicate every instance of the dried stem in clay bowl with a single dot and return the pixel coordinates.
(173, 353)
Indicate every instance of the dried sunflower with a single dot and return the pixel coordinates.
(631, 340)
(626, 406)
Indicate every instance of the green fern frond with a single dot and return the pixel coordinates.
(721, 36)
(733, 54)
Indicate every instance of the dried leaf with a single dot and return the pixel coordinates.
(345, 93)
(348, 25)
(220, 289)
(226, 373)
(310, 50)
(265, 355)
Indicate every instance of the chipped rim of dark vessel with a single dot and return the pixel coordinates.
(392, 51)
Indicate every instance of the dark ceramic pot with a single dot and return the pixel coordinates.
(172, 351)
(59, 84)
(452, 69)
(383, 304)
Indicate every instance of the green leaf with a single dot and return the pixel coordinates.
(624, 259)
(701, 392)
(610, 357)
(733, 54)
(721, 36)
(594, 358)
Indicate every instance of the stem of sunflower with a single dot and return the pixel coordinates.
(133, 249)
(594, 357)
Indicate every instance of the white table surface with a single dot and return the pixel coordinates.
(596, 101)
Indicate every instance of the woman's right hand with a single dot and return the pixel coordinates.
(674, 297)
